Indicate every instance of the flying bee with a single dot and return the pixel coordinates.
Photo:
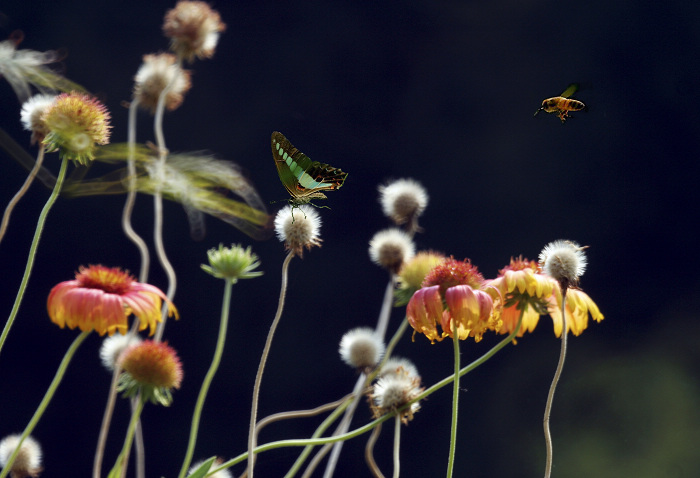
(561, 105)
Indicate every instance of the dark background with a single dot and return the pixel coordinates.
(439, 91)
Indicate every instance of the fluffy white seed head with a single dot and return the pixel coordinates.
(28, 460)
(219, 474)
(298, 227)
(361, 348)
(112, 348)
(403, 201)
(398, 366)
(32, 115)
(392, 391)
(155, 74)
(564, 261)
(390, 248)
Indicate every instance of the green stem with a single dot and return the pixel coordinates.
(46, 400)
(552, 388)
(121, 464)
(32, 250)
(196, 417)
(25, 186)
(455, 407)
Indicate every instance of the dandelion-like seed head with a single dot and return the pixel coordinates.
(193, 28)
(155, 73)
(564, 261)
(112, 348)
(300, 230)
(361, 348)
(398, 366)
(27, 463)
(403, 201)
(391, 248)
(392, 392)
(232, 263)
(32, 114)
(102, 298)
(153, 368)
(76, 123)
(413, 274)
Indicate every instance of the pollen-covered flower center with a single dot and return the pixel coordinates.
(112, 281)
(453, 272)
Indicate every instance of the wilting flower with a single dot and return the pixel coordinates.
(151, 368)
(578, 306)
(413, 274)
(394, 390)
(193, 28)
(76, 123)
(361, 348)
(155, 74)
(455, 296)
(525, 289)
(391, 248)
(27, 463)
(298, 232)
(102, 298)
(32, 115)
(403, 201)
(232, 263)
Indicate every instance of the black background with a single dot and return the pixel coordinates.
(439, 91)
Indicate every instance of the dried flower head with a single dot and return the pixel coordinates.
(32, 115)
(392, 392)
(232, 263)
(193, 29)
(152, 368)
(361, 348)
(27, 462)
(157, 72)
(113, 346)
(102, 298)
(391, 248)
(300, 231)
(564, 261)
(403, 201)
(76, 123)
(398, 366)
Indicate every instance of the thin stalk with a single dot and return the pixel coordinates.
(263, 360)
(552, 388)
(121, 464)
(32, 250)
(397, 443)
(455, 407)
(216, 360)
(104, 428)
(46, 400)
(369, 452)
(25, 186)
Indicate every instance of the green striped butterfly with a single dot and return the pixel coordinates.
(303, 178)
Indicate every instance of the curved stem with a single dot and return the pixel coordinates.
(216, 360)
(131, 196)
(104, 428)
(263, 360)
(32, 250)
(455, 407)
(369, 452)
(552, 388)
(15, 199)
(47, 398)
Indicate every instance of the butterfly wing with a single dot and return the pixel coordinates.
(303, 178)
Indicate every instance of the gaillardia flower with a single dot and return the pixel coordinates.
(524, 288)
(76, 124)
(102, 298)
(152, 368)
(578, 306)
(455, 296)
(413, 273)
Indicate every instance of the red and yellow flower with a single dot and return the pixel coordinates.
(578, 306)
(102, 298)
(455, 296)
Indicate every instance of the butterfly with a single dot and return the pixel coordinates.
(303, 178)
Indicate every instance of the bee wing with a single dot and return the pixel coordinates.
(570, 90)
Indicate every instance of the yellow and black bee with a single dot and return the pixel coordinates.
(561, 105)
